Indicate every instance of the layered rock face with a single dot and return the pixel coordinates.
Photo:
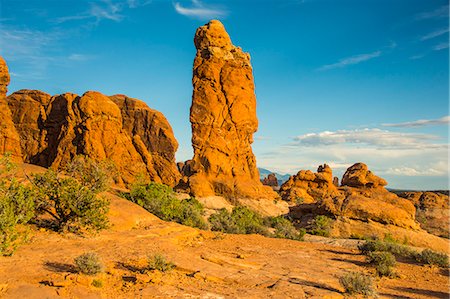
(223, 118)
(9, 138)
(362, 197)
(432, 211)
(54, 129)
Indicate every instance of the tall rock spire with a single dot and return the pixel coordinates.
(223, 118)
(9, 138)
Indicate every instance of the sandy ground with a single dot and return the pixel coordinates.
(208, 265)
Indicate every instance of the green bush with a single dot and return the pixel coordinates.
(358, 283)
(72, 204)
(397, 250)
(96, 176)
(383, 262)
(321, 226)
(161, 201)
(431, 257)
(16, 207)
(97, 283)
(88, 263)
(284, 228)
(241, 220)
(222, 221)
(159, 262)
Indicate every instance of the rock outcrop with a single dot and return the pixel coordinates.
(306, 186)
(9, 138)
(54, 129)
(271, 180)
(358, 175)
(361, 199)
(223, 118)
(432, 211)
(152, 136)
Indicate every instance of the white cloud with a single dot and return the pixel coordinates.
(445, 120)
(440, 12)
(409, 171)
(200, 11)
(434, 34)
(372, 137)
(350, 61)
(104, 10)
(441, 46)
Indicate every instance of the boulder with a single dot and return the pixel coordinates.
(9, 138)
(223, 119)
(307, 186)
(358, 175)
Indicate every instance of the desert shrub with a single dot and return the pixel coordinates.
(241, 220)
(97, 283)
(72, 204)
(284, 228)
(321, 226)
(397, 250)
(161, 201)
(97, 176)
(16, 207)
(223, 222)
(357, 283)
(88, 263)
(159, 262)
(431, 257)
(383, 262)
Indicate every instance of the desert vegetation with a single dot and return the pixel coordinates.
(70, 199)
(161, 201)
(358, 283)
(88, 263)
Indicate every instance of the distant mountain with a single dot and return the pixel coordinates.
(280, 177)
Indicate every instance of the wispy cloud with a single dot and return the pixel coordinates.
(371, 137)
(411, 171)
(440, 12)
(434, 34)
(104, 10)
(200, 11)
(79, 57)
(350, 61)
(441, 46)
(421, 123)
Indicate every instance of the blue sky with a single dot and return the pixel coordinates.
(337, 81)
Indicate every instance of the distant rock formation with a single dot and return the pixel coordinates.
(271, 180)
(307, 187)
(358, 175)
(336, 181)
(223, 118)
(54, 129)
(361, 200)
(9, 138)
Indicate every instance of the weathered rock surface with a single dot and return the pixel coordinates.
(150, 128)
(359, 175)
(271, 180)
(432, 211)
(362, 199)
(306, 186)
(223, 118)
(54, 129)
(9, 138)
